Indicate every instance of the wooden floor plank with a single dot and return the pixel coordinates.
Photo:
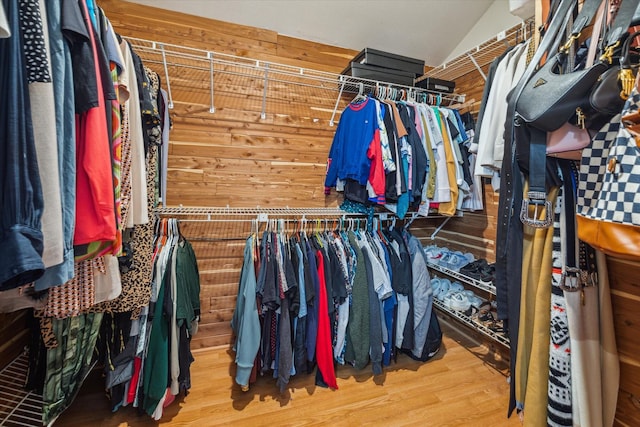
(461, 386)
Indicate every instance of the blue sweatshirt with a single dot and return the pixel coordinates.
(348, 154)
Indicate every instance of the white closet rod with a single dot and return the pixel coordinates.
(229, 211)
(235, 215)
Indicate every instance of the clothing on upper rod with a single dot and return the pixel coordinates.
(405, 155)
(488, 143)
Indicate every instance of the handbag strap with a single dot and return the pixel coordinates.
(584, 18)
(536, 197)
(619, 28)
(595, 34)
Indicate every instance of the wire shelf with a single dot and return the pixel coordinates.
(229, 211)
(482, 55)
(18, 407)
(201, 75)
(485, 286)
(500, 338)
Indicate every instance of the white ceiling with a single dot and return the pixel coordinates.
(431, 30)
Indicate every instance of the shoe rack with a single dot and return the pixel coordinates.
(487, 287)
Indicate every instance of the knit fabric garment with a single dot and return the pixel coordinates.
(559, 391)
(78, 294)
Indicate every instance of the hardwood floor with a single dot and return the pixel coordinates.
(462, 386)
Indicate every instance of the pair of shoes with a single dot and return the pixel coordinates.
(480, 270)
(435, 285)
(434, 253)
(474, 299)
(456, 287)
(496, 326)
(455, 298)
(459, 302)
(455, 261)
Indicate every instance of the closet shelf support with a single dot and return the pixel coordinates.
(484, 76)
(263, 114)
(212, 108)
(166, 77)
(438, 228)
(335, 107)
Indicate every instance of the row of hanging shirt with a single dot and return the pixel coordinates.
(81, 119)
(488, 142)
(345, 296)
(403, 155)
(150, 366)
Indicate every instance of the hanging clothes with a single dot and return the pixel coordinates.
(38, 66)
(408, 164)
(490, 129)
(354, 145)
(62, 76)
(21, 197)
(336, 305)
(95, 218)
(65, 57)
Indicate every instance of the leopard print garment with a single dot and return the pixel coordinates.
(125, 189)
(136, 283)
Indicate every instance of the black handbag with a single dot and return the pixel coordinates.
(550, 98)
(614, 86)
(531, 151)
(553, 95)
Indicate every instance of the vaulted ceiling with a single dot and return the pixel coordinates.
(432, 30)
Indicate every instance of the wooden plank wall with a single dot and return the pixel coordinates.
(624, 280)
(14, 335)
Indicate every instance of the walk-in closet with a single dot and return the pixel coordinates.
(241, 212)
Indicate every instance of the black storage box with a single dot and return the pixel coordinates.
(437, 85)
(371, 72)
(379, 58)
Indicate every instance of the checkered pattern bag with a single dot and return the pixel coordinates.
(608, 211)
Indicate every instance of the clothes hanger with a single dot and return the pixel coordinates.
(360, 97)
(173, 226)
(303, 227)
(411, 96)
